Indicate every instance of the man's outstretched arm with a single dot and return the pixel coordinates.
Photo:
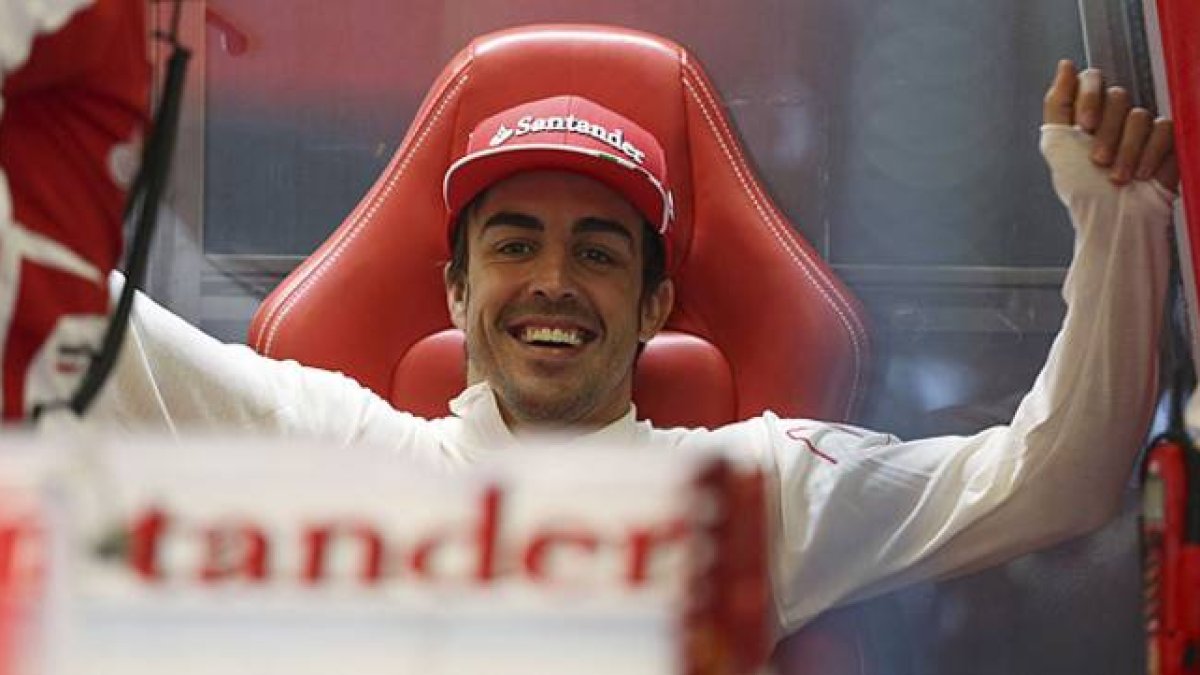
(869, 513)
(172, 377)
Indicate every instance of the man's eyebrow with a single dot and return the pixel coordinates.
(512, 219)
(593, 224)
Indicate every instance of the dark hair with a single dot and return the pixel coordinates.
(654, 255)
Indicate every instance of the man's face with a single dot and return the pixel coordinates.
(552, 304)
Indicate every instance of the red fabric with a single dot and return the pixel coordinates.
(82, 93)
(45, 296)
(1179, 25)
(1178, 620)
(83, 90)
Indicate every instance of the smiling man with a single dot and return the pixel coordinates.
(557, 272)
(561, 232)
(551, 298)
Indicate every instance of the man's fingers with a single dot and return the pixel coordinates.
(1112, 125)
(1126, 140)
(1168, 173)
(1059, 105)
(1158, 147)
(1089, 100)
(1133, 139)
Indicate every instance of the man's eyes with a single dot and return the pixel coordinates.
(590, 254)
(597, 255)
(515, 247)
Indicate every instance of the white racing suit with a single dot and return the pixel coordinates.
(73, 106)
(853, 512)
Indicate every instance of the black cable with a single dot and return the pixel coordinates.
(145, 194)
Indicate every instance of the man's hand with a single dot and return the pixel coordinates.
(1126, 140)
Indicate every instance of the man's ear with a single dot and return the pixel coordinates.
(656, 307)
(456, 298)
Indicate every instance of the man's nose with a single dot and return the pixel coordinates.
(553, 275)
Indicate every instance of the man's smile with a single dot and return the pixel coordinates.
(551, 337)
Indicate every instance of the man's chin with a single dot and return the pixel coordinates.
(544, 403)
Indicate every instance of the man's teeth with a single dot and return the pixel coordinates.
(560, 336)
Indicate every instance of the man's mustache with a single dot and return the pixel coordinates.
(541, 307)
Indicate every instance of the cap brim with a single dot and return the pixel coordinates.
(470, 175)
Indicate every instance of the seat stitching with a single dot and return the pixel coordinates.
(770, 219)
(359, 222)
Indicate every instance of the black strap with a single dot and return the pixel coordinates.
(141, 208)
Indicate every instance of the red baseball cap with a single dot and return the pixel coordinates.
(569, 133)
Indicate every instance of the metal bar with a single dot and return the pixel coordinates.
(1114, 41)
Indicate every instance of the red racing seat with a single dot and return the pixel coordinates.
(760, 321)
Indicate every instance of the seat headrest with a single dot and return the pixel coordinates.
(674, 367)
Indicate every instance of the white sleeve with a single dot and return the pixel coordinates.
(862, 513)
(23, 20)
(172, 377)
